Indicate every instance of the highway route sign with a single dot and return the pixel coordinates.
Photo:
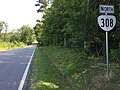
(106, 22)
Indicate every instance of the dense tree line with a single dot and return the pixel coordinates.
(73, 23)
(25, 34)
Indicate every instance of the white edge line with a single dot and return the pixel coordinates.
(25, 73)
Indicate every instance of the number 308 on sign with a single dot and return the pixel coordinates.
(106, 22)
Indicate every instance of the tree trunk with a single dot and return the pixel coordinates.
(65, 41)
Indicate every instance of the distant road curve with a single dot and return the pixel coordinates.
(14, 66)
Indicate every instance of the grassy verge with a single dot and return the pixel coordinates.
(44, 75)
(58, 68)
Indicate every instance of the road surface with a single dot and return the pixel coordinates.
(13, 64)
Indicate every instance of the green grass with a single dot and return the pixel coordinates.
(44, 75)
(59, 68)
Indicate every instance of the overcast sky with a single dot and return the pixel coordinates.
(18, 12)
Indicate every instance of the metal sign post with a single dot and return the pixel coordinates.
(107, 57)
(107, 23)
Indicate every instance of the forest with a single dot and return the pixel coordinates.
(74, 24)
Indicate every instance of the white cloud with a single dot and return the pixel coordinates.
(18, 12)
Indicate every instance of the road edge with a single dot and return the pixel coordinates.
(21, 85)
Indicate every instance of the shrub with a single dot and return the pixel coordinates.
(115, 55)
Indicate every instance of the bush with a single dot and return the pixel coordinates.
(7, 45)
(12, 44)
(17, 44)
(115, 55)
(3, 45)
(21, 44)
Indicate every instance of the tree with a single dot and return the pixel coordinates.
(38, 31)
(16, 36)
(6, 38)
(43, 4)
(1, 26)
(74, 23)
(27, 34)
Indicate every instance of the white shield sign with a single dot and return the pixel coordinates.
(107, 22)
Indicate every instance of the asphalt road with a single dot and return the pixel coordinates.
(13, 64)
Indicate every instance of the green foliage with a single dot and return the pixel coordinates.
(17, 38)
(2, 23)
(115, 55)
(6, 37)
(42, 5)
(73, 23)
(71, 70)
(27, 35)
(38, 32)
(43, 73)
(3, 45)
(8, 45)
(17, 44)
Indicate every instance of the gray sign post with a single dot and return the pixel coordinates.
(107, 23)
